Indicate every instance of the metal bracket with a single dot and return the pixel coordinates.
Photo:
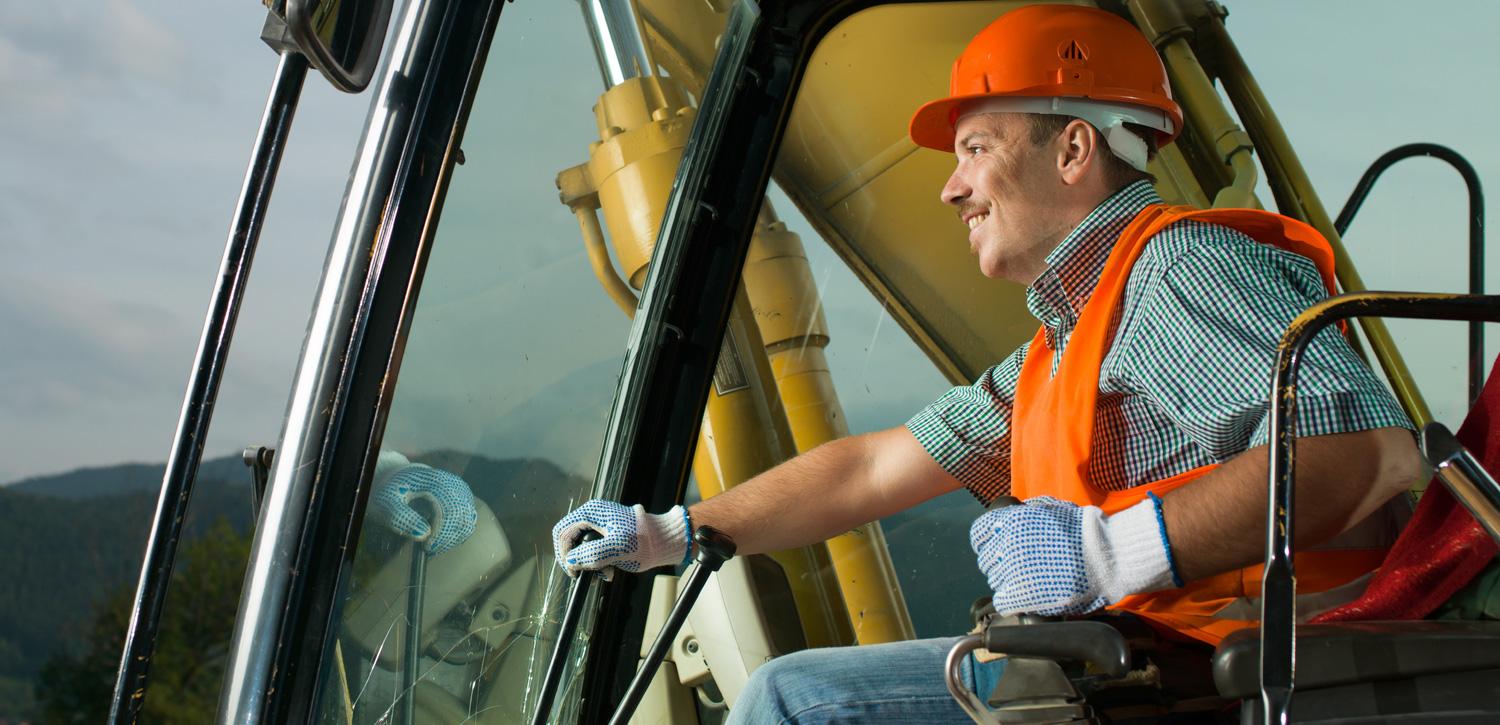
(259, 459)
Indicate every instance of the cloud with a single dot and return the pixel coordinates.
(139, 45)
(55, 56)
(70, 346)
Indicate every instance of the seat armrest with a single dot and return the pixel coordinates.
(1096, 643)
(1329, 655)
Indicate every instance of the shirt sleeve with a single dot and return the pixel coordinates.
(967, 429)
(1217, 312)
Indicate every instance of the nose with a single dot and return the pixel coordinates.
(957, 189)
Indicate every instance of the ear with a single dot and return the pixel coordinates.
(1081, 146)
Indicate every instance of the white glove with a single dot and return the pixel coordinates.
(1052, 557)
(633, 540)
(398, 482)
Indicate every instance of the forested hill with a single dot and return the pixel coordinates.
(124, 478)
(73, 538)
(73, 545)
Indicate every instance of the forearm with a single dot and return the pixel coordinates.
(825, 492)
(1217, 523)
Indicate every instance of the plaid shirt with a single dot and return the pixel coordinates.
(1186, 381)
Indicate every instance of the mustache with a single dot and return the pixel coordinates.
(967, 208)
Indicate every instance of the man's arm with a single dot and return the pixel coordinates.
(1217, 523)
(1055, 557)
(826, 491)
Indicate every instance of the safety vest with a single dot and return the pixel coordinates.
(1052, 428)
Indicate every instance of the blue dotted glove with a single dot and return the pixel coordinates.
(633, 540)
(1052, 557)
(398, 485)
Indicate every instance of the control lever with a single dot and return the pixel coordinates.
(565, 634)
(1001, 502)
(714, 548)
(416, 596)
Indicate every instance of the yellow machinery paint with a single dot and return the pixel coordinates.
(785, 300)
(643, 125)
(851, 175)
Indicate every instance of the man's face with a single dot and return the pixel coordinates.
(1007, 191)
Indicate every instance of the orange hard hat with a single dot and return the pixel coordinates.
(1060, 59)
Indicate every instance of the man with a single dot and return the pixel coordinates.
(1133, 425)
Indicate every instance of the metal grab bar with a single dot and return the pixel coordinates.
(1465, 476)
(203, 389)
(1476, 230)
(1278, 585)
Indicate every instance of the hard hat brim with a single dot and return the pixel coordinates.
(932, 124)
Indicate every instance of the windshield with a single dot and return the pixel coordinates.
(505, 384)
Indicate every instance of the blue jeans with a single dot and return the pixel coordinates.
(900, 682)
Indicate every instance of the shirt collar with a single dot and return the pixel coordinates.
(1057, 296)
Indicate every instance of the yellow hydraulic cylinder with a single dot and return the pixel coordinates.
(1166, 25)
(745, 432)
(779, 283)
(643, 126)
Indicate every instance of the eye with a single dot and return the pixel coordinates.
(973, 150)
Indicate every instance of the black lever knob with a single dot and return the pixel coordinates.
(714, 547)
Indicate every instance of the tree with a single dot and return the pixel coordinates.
(188, 667)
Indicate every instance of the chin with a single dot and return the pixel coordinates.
(991, 268)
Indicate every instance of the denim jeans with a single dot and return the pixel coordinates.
(900, 682)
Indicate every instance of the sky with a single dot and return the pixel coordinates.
(125, 127)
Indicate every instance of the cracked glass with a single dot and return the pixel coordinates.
(505, 382)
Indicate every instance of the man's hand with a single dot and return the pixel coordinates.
(633, 540)
(1052, 557)
(398, 483)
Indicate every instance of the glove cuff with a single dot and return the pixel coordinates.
(669, 534)
(1128, 553)
(387, 464)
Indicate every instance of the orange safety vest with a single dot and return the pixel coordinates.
(1052, 426)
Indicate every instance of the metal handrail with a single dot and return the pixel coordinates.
(1278, 585)
(203, 389)
(1476, 230)
(259, 678)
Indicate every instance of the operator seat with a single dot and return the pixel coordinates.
(1405, 671)
(1400, 671)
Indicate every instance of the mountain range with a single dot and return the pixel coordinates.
(72, 540)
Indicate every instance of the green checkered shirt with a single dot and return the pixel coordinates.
(1187, 379)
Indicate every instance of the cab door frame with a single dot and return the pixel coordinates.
(310, 518)
(684, 307)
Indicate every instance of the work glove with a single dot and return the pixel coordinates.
(398, 482)
(1052, 557)
(633, 540)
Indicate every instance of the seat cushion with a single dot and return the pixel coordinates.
(1330, 655)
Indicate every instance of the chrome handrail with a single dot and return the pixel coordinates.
(1278, 612)
(354, 259)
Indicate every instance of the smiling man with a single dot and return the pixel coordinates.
(1132, 426)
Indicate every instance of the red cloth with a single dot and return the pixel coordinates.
(1443, 547)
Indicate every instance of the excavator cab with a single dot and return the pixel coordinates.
(737, 256)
